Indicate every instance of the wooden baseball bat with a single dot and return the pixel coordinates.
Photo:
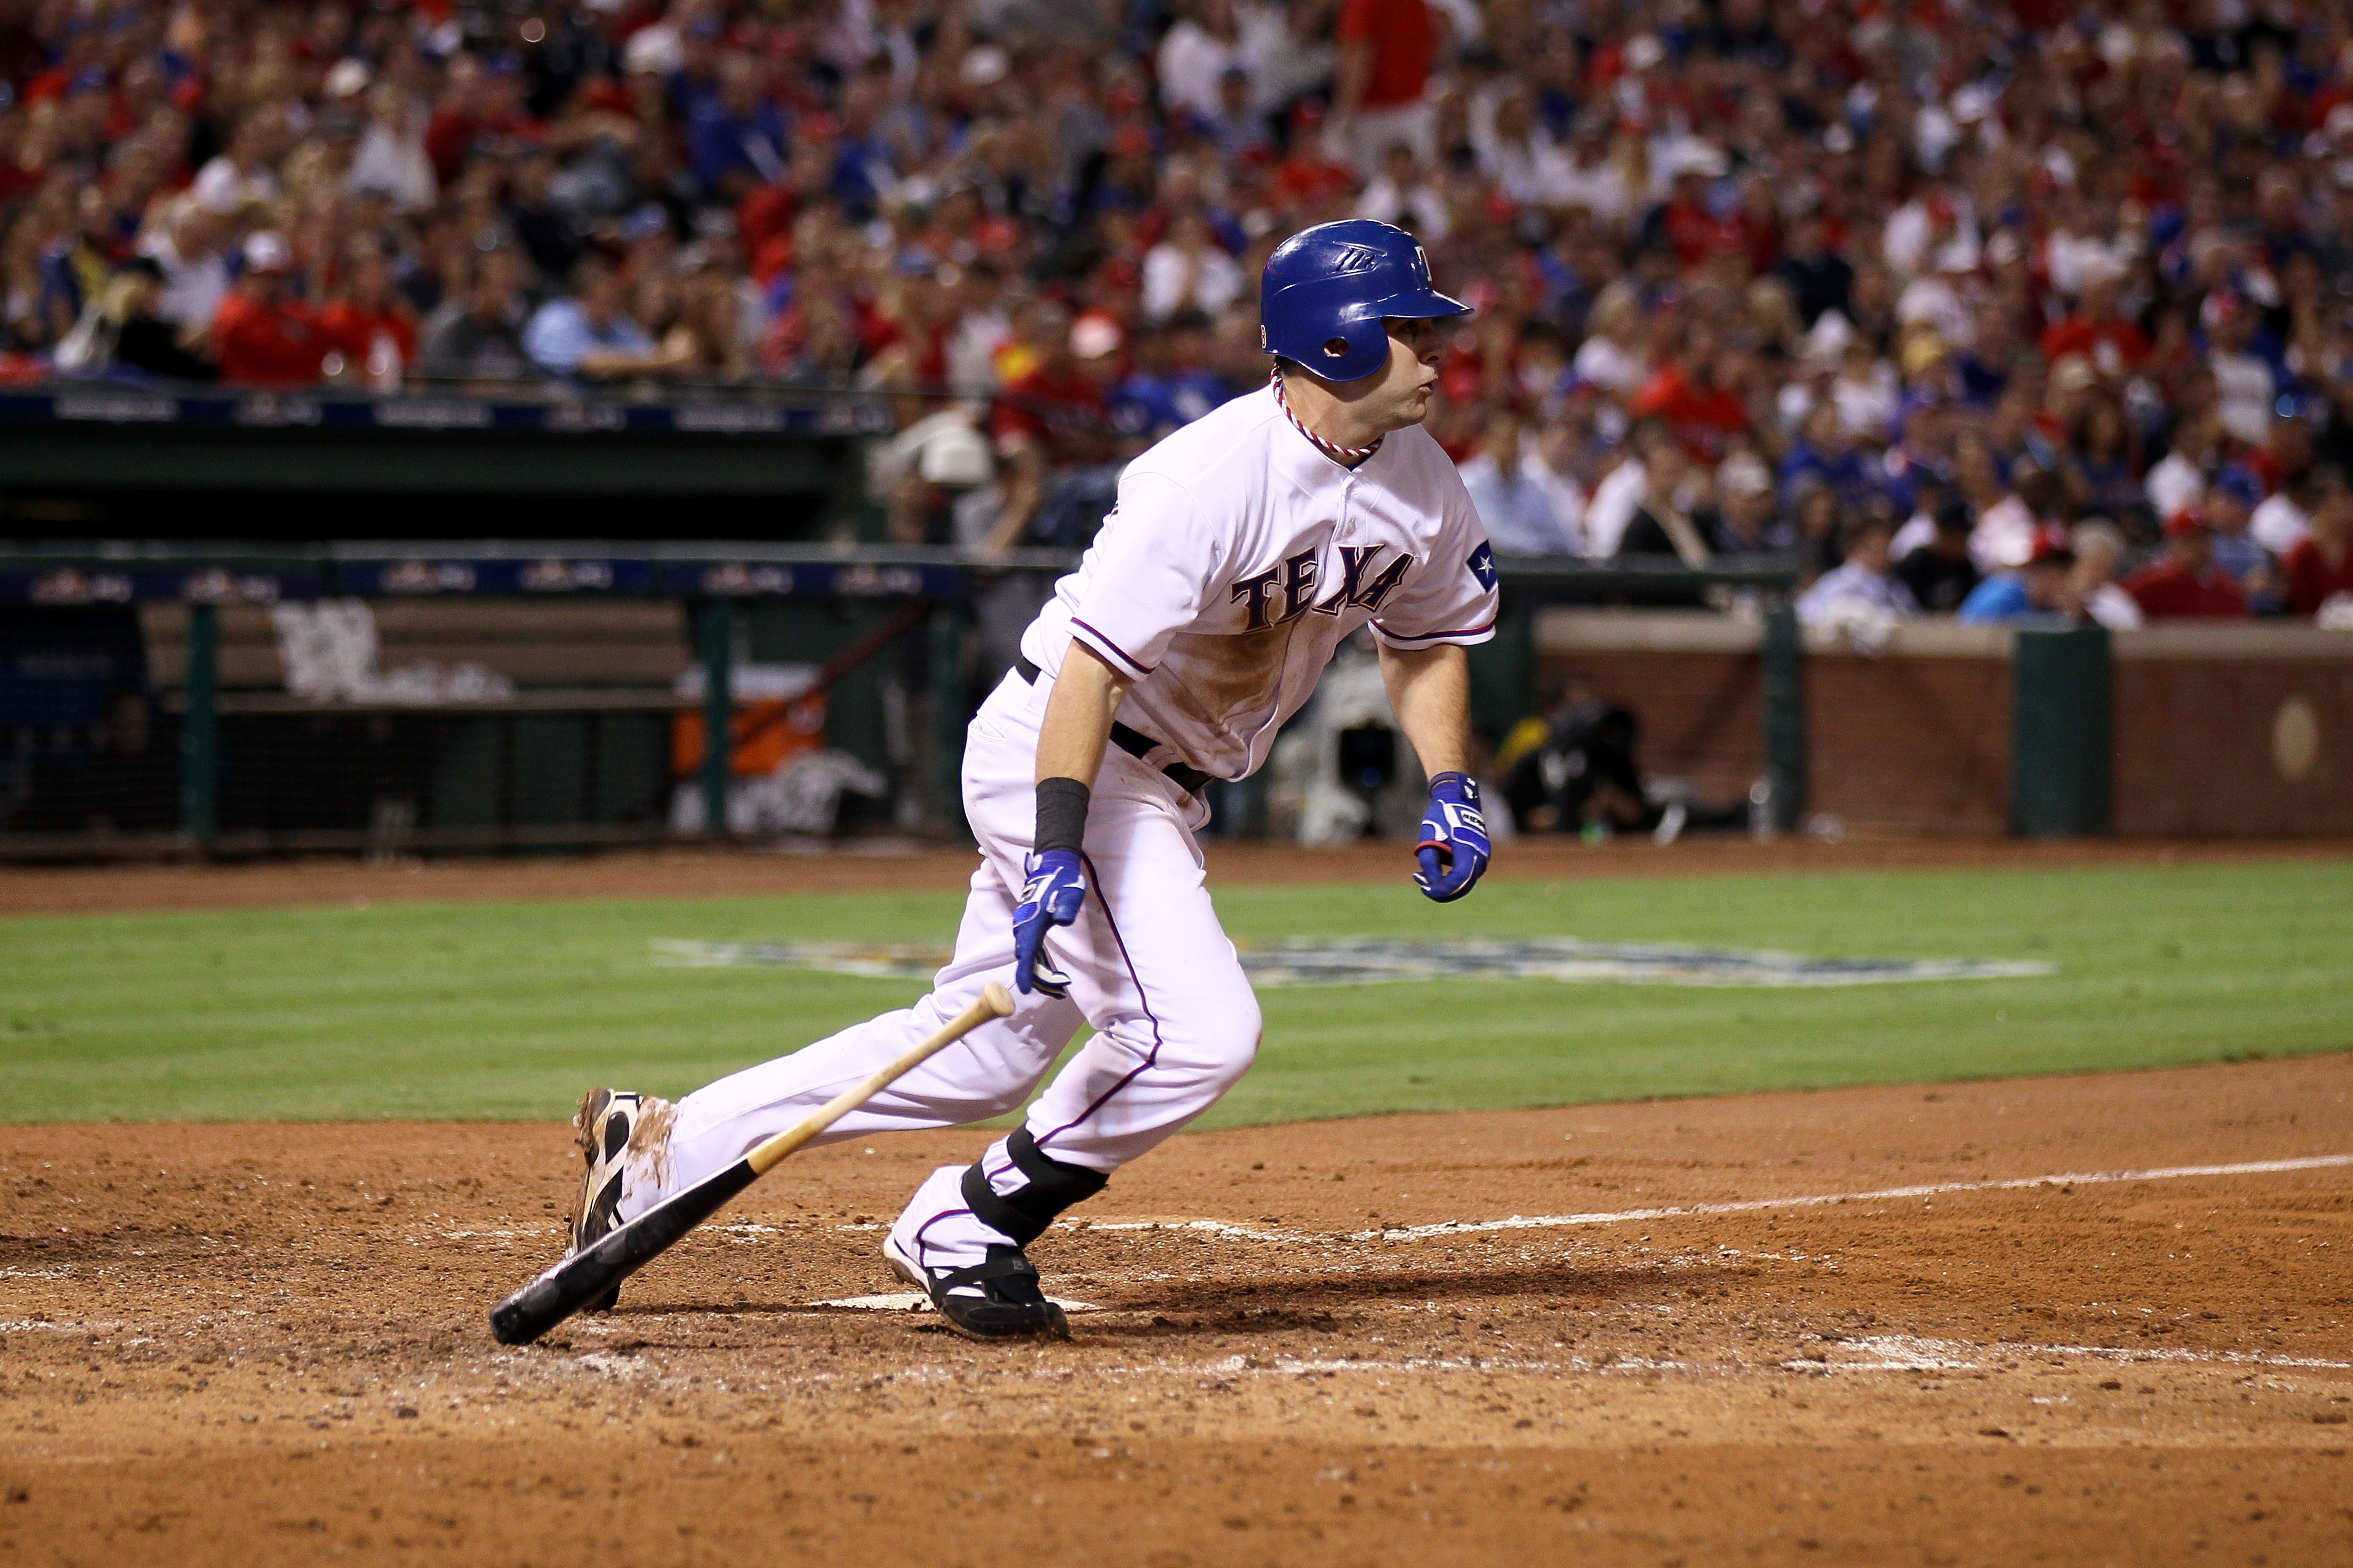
(582, 1278)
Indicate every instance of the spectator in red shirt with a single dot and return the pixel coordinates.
(371, 324)
(1056, 418)
(2110, 341)
(2184, 582)
(1684, 220)
(1386, 48)
(1321, 188)
(481, 102)
(2320, 565)
(1691, 394)
(265, 336)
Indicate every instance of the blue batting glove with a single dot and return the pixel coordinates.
(1453, 850)
(1056, 890)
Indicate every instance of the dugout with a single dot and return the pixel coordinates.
(508, 509)
(160, 697)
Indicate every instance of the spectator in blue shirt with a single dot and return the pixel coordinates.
(1824, 455)
(738, 141)
(1516, 510)
(589, 334)
(2230, 503)
(2038, 591)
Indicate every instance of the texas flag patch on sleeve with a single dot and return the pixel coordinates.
(1482, 564)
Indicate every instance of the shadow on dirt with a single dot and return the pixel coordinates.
(1222, 1308)
(1313, 1303)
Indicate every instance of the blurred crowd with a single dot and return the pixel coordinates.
(1988, 310)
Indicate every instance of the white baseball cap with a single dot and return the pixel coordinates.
(266, 250)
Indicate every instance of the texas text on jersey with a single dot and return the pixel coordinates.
(1240, 555)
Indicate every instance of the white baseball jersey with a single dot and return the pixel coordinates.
(1239, 557)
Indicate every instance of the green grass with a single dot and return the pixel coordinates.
(505, 1011)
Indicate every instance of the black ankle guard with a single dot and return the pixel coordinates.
(1053, 1186)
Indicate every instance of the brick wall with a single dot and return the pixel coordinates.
(2238, 746)
(1915, 740)
(1917, 744)
(2242, 731)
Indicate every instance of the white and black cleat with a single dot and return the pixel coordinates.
(998, 1298)
(602, 1128)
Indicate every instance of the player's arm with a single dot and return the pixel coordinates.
(1430, 688)
(1070, 741)
(1087, 692)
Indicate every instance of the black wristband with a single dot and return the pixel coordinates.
(1062, 814)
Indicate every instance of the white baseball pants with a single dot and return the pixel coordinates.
(1149, 967)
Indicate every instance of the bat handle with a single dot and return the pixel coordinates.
(994, 1002)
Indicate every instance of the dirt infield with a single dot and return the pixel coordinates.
(892, 866)
(267, 1344)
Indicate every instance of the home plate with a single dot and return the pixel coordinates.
(915, 1301)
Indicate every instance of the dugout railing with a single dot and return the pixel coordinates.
(205, 749)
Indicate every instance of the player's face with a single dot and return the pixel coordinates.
(1403, 391)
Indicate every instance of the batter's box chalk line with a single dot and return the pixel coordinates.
(1744, 1205)
(1361, 961)
(912, 1301)
(1907, 1353)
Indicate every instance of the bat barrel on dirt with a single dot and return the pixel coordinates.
(581, 1279)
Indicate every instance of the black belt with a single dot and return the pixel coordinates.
(1135, 742)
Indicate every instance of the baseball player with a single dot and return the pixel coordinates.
(1242, 550)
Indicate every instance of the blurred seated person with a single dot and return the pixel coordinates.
(920, 473)
(2319, 566)
(2099, 546)
(2183, 582)
(1864, 582)
(370, 322)
(591, 334)
(144, 341)
(1670, 520)
(1818, 514)
(2230, 503)
(1551, 457)
(1939, 572)
(1513, 505)
(1824, 454)
(1747, 519)
(2042, 589)
(1166, 388)
(1574, 767)
(478, 335)
(264, 335)
(1055, 437)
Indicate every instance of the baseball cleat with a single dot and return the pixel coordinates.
(996, 1299)
(602, 1127)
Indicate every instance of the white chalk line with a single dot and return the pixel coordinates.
(1744, 1205)
(45, 1326)
(1936, 1189)
(1908, 1352)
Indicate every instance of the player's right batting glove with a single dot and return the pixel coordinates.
(1453, 850)
(1056, 890)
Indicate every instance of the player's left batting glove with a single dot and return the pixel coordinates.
(1056, 890)
(1453, 850)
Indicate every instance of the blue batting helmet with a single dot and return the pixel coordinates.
(1335, 283)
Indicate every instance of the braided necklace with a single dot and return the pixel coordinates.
(1348, 457)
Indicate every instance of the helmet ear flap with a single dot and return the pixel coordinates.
(1352, 350)
(1367, 342)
